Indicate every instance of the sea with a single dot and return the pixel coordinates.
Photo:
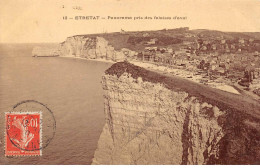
(71, 88)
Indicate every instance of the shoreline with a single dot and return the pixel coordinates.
(182, 73)
(175, 72)
(97, 60)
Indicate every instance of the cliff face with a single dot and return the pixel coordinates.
(150, 122)
(92, 47)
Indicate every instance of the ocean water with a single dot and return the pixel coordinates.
(71, 88)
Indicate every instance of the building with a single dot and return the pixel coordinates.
(122, 31)
(152, 41)
(145, 34)
(242, 41)
(213, 66)
(220, 70)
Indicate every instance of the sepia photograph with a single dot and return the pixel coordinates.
(130, 82)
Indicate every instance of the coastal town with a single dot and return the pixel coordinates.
(226, 61)
(212, 62)
(218, 62)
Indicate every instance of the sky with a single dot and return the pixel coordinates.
(35, 21)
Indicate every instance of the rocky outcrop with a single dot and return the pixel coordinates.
(155, 119)
(93, 47)
(50, 51)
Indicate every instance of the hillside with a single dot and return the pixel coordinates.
(137, 40)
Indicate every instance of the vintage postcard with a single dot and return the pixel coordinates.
(130, 82)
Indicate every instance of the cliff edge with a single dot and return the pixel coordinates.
(152, 118)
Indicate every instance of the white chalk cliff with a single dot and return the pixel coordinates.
(93, 47)
(150, 120)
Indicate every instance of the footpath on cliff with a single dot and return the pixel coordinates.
(217, 97)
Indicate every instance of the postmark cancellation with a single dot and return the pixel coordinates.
(23, 135)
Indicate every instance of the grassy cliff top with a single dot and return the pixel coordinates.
(224, 100)
(135, 40)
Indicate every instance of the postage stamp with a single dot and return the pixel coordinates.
(23, 135)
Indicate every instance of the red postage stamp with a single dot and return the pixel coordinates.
(23, 135)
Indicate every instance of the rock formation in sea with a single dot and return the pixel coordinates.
(152, 118)
(93, 47)
(49, 51)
